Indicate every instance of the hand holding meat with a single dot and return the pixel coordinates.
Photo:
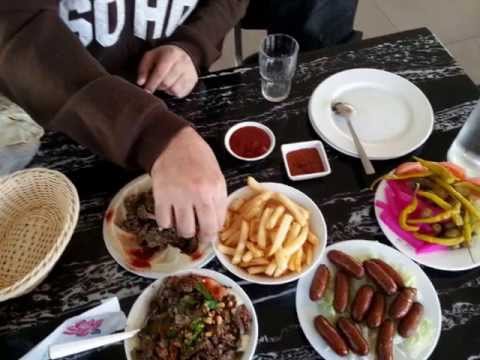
(188, 184)
(167, 68)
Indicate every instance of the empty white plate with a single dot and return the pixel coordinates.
(392, 116)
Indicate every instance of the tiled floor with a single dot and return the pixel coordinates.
(456, 23)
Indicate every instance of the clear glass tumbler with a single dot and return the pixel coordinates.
(278, 60)
(465, 150)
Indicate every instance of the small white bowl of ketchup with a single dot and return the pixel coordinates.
(249, 141)
(305, 160)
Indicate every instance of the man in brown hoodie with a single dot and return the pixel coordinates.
(60, 61)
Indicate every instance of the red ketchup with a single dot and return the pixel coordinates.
(250, 142)
(141, 256)
(304, 161)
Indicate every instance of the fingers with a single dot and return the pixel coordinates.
(207, 222)
(163, 213)
(156, 77)
(185, 221)
(182, 87)
(145, 67)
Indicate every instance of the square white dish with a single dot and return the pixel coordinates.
(315, 144)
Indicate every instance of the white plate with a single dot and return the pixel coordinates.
(317, 225)
(136, 316)
(448, 260)
(392, 116)
(427, 295)
(116, 252)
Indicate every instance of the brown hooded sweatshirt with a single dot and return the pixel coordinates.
(60, 61)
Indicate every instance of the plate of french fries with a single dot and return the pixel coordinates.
(273, 234)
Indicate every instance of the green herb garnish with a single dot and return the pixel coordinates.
(212, 304)
(197, 327)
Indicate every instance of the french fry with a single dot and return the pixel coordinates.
(237, 204)
(277, 214)
(297, 244)
(254, 206)
(235, 225)
(255, 262)
(233, 239)
(270, 269)
(292, 263)
(255, 270)
(254, 224)
(228, 220)
(281, 233)
(298, 260)
(293, 233)
(313, 239)
(262, 232)
(257, 253)
(247, 257)
(226, 250)
(237, 257)
(292, 208)
(281, 259)
(279, 272)
(255, 185)
(308, 254)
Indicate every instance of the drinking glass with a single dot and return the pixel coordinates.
(465, 150)
(278, 60)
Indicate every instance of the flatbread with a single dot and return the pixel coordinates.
(167, 261)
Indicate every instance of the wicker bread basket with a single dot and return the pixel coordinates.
(38, 213)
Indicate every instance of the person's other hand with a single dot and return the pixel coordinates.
(167, 68)
(188, 183)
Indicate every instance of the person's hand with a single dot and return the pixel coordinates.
(188, 183)
(167, 68)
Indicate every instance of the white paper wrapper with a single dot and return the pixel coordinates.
(167, 261)
(104, 319)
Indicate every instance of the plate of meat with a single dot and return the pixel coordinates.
(134, 240)
(366, 300)
(197, 315)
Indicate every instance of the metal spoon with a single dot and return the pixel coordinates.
(345, 110)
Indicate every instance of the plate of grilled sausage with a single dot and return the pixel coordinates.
(366, 300)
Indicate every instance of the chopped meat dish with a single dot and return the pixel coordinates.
(193, 318)
(140, 220)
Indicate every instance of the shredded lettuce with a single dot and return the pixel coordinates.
(325, 305)
(415, 344)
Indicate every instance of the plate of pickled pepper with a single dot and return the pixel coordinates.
(430, 211)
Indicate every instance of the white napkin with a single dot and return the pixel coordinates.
(104, 319)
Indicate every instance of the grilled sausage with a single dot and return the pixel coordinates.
(346, 263)
(342, 290)
(362, 302)
(402, 303)
(352, 335)
(376, 313)
(385, 340)
(330, 335)
(391, 272)
(380, 277)
(319, 283)
(408, 325)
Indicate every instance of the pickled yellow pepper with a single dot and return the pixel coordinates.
(407, 210)
(467, 228)
(440, 241)
(437, 200)
(468, 205)
(433, 219)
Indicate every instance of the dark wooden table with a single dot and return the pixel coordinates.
(86, 273)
